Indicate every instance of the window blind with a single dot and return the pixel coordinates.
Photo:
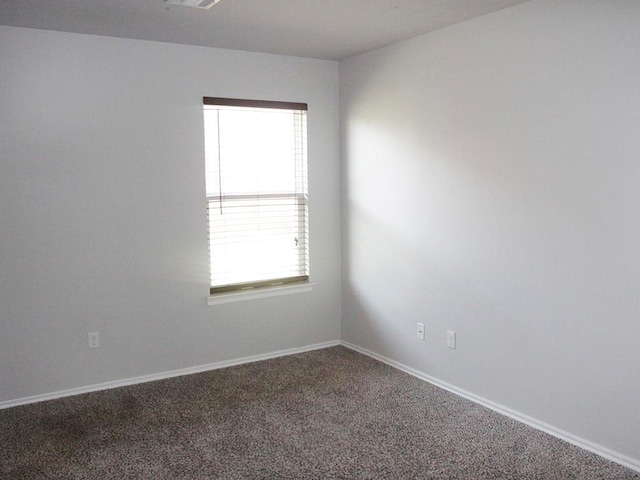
(256, 187)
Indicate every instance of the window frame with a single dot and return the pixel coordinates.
(262, 287)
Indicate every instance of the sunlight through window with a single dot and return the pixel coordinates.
(256, 183)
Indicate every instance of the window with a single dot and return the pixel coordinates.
(256, 183)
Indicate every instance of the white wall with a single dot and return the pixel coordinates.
(102, 217)
(491, 186)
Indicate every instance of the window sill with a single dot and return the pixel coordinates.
(256, 293)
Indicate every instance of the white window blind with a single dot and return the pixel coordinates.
(256, 183)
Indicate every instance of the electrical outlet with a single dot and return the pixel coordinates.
(420, 331)
(94, 339)
(451, 339)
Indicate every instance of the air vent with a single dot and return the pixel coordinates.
(203, 4)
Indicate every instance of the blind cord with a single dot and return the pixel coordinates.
(219, 164)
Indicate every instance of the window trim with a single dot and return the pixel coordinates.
(257, 293)
(263, 288)
(276, 282)
(240, 102)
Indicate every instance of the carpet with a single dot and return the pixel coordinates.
(325, 414)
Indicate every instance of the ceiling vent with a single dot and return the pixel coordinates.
(203, 4)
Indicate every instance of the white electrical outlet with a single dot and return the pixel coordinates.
(94, 339)
(451, 339)
(420, 331)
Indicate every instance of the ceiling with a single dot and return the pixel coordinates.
(328, 29)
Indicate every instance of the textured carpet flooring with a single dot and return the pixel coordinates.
(330, 413)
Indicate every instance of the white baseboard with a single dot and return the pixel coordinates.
(163, 375)
(532, 422)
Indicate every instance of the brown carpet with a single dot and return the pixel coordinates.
(330, 413)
